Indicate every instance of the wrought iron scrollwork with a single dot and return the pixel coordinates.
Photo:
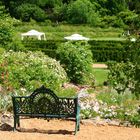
(44, 101)
(22, 105)
(67, 107)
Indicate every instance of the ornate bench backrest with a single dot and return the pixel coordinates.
(44, 101)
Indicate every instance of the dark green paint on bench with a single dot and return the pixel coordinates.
(44, 103)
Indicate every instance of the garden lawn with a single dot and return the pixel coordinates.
(58, 32)
(100, 76)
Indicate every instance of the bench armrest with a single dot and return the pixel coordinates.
(21, 104)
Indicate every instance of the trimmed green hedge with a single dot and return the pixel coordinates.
(108, 50)
(102, 50)
(49, 47)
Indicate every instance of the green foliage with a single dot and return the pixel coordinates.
(134, 5)
(49, 3)
(27, 11)
(39, 15)
(59, 13)
(127, 16)
(94, 19)
(135, 120)
(135, 25)
(49, 47)
(6, 29)
(121, 76)
(86, 114)
(2, 50)
(82, 11)
(113, 21)
(92, 12)
(125, 76)
(104, 51)
(136, 63)
(100, 76)
(67, 92)
(29, 70)
(77, 61)
(5, 33)
(110, 105)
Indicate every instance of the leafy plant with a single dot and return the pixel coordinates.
(77, 61)
(6, 30)
(135, 120)
(82, 11)
(29, 70)
(121, 76)
(27, 11)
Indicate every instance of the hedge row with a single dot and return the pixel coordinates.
(102, 50)
(49, 47)
(108, 50)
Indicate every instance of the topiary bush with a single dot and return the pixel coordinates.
(29, 71)
(77, 61)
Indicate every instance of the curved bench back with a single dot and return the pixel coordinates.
(44, 101)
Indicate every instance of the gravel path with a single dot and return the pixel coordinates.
(99, 66)
(39, 129)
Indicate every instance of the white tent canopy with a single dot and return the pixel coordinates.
(34, 33)
(76, 37)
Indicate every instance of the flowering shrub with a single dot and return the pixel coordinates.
(21, 73)
(29, 71)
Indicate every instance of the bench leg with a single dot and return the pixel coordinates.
(15, 122)
(18, 121)
(77, 125)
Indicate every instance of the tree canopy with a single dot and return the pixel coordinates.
(94, 12)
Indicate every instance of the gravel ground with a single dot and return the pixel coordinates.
(99, 66)
(40, 129)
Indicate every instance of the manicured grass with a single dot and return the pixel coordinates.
(110, 38)
(100, 76)
(58, 32)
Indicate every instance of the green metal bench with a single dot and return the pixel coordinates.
(43, 103)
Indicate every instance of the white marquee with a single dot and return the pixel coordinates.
(76, 37)
(34, 33)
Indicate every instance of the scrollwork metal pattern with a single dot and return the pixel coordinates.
(67, 107)
(22, 105)
(44, 101)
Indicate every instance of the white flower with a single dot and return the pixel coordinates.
(23, 89)
(96, 108)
